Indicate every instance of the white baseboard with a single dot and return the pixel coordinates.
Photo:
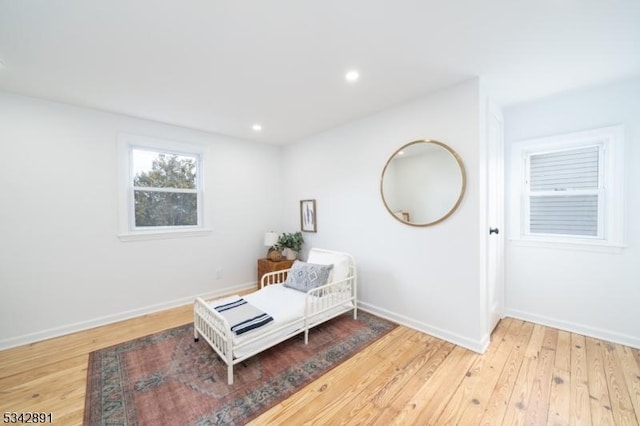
(479, 346)
(121, 316)
(586, 330)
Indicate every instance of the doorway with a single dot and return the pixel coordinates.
(495, 219)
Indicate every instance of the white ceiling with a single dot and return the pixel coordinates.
(221, 66)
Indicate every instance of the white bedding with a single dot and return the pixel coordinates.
(285, 305)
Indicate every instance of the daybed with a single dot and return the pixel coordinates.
(292, 311)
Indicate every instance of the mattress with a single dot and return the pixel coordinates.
(285, 305)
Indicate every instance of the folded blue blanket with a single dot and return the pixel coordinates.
(243, 316)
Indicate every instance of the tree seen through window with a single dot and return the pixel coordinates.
(165, 189)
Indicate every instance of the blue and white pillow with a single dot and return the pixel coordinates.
(307, 276)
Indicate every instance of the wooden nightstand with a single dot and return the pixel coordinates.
(266, 265)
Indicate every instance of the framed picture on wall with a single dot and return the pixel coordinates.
(308, 215)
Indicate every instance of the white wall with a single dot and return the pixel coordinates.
(62, 267)
(595, 293)
(428, 278)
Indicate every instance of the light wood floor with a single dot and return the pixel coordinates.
(530, 375)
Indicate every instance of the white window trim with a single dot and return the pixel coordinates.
(127, 230)
(612, 141)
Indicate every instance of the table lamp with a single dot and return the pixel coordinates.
(270, 240)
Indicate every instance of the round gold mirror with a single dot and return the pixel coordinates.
(423, 183)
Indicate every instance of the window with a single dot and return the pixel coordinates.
(569, 188)
(161, 189)
(165, 191)
(564, 190)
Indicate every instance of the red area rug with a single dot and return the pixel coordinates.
(167, 378)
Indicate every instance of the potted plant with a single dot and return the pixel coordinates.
(290, 244)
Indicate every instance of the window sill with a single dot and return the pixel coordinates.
(599, 247)
(163, 234)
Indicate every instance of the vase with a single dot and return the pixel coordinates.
(290, 254)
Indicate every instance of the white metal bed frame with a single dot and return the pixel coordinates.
(321, 304)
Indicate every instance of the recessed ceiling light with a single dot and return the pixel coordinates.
(256, 127)
(352, 75)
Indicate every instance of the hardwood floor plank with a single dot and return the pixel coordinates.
(559, 398)
(422, 376)
(636, 355)
(580, 410)
(598, 392)
(499, 399)
(352, 404)
(550, 339)
(72, 418)
(479, 380)
(631, 373)
(428, 402)
(366, 416)
(560, 394)
(538, 405)
(516, 410)
(33, 376)
(535, 343)
(384, 397)
(623, 412)
(563, 351)
(403, 388)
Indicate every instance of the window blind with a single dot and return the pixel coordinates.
(564, 192)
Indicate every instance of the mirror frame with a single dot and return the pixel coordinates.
(463, 187)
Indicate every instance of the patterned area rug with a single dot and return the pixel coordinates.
(167, 378)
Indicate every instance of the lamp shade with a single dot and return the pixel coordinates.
(270, 238)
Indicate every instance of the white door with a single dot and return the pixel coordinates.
(495, 219)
